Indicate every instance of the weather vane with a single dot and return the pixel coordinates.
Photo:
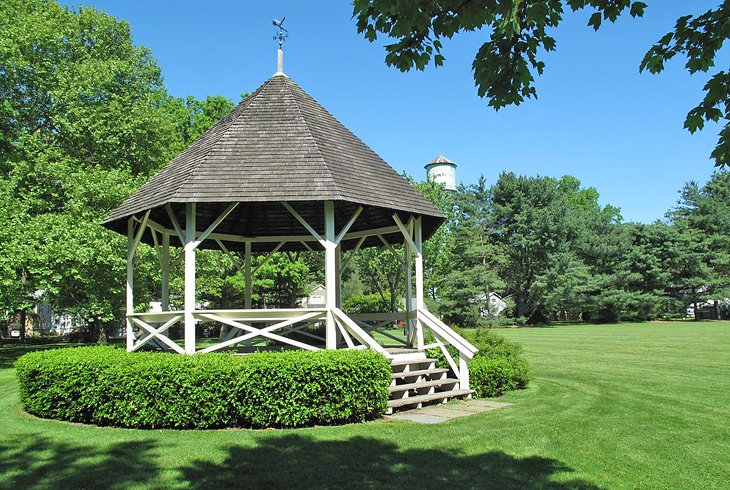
(283, 33)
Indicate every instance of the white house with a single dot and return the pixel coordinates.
(493, 305)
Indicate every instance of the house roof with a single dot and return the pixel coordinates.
(278, 145)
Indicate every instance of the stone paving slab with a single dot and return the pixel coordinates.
(435, 414)
(419, 418)
(449, 413)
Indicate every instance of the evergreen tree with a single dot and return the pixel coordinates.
(703, 212)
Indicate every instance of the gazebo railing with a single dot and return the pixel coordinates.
(277, 325)
(375, 322)
(283, 321)
(445, 336)
(147, 321)
(349, 329)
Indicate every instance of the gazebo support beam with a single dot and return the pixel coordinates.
(268, 257)
(130, 282)
(165, 269)
(305, 240)
(201, 237)
(247, 276)
(307, 226)
(175, 223)
(351, 256)
(413, 242)
(420, 305)
(339, 331)
(404, 231)
(409, 293)
(391, 250)
(330, 248)
(348, 225)
(133, 240)
(190, 277)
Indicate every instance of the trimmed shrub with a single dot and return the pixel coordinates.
(492, 377)
(108, 386)
(499, 366)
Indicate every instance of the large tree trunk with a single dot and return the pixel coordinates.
(102, 331)
(521, 304)
(22, 326)
(697, 311)
(717, 310)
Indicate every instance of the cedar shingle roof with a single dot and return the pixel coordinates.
(278, 145)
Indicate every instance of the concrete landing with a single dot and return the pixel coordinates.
(435, 414)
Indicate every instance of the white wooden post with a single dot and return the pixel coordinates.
(419, 280)
(165, 278)
(165, 272)
(189, 278)
(130, 282)
(463, 372)
(248, 281)
(338, 289)
(330, 273)
(409, 293)
(247, 274)
(338, 268)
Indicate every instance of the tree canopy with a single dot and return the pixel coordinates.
(86, 120)
(551, 251)
(519, 34)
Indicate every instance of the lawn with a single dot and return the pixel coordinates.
(612, 406)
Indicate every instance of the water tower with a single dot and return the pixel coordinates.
(442, 171)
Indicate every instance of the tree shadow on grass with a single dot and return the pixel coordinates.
(10, 352)
(35, 461)
(294, 461)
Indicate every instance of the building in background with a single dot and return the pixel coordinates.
(492, 305)
(315, 299)
(442, 171)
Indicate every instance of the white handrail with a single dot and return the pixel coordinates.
(443, 333)
(448, 334)
(358, 332)
(381, 332)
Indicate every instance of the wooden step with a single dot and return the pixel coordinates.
(422, 372)
(406, 362)
(416, 400)
(423, 384)
(396, 351)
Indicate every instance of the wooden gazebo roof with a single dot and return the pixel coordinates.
(278, 145)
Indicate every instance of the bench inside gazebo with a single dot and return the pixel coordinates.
(279, 173)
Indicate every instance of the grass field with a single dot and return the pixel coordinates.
(612, 406)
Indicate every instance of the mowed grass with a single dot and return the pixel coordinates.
(611, 406)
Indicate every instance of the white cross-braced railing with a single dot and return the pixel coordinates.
(146, 322)
(250, 325)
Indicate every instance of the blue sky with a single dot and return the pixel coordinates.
(596, 117)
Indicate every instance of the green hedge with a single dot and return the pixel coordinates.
(108, 386)
(492, 377)
(499, 366)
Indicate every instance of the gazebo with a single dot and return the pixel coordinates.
(280, 173)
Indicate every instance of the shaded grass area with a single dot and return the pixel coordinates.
(288, 461)
(615, 406)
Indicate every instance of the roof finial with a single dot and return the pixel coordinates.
(281, 36)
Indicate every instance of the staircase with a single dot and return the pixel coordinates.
(417, 382)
